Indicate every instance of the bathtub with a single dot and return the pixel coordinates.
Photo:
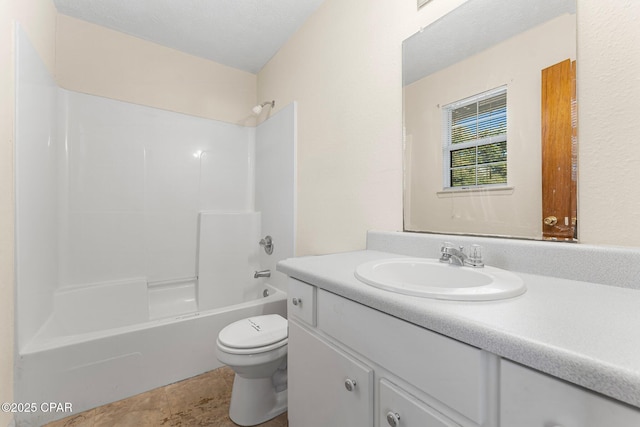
(110, 352)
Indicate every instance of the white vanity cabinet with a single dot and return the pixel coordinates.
(350, 365)
(533, 399)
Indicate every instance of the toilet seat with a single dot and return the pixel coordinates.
(254, 335)
(254, 350)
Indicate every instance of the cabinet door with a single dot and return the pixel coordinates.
(397, 408)
(449, 371)
(531, 399)
(327, 387)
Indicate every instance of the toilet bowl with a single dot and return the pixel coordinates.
(256, 349)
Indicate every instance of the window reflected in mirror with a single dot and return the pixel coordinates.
(483, 153)
(474, 137)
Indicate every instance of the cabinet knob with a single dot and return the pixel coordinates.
(350, 384)
(393, 418)
(296, 301)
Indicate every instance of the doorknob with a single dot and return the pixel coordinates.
(551, 220)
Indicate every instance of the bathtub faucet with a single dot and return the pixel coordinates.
(262, 273)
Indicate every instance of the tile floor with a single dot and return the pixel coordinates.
(198, 401)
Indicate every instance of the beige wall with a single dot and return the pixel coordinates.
(344, 69)
(512, 212)
(37, 17)
(99, 61)
(344, 66)
(608, 95)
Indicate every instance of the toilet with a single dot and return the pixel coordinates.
(256, 349)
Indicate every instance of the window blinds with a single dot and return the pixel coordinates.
(475, 140)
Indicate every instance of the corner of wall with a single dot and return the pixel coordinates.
(38, 18)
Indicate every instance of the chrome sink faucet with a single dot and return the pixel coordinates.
(452, 255)
(456, 256)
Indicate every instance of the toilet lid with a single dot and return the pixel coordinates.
(254, 332)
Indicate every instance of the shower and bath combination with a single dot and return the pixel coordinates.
(122, 301)
(258, 108)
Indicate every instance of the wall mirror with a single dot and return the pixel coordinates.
(490, 121)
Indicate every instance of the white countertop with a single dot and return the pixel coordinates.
(585, 333)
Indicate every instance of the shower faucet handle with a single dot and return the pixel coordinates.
(267, 244)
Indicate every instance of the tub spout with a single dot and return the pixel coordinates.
(262, 273)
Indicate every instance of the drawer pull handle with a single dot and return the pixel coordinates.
(393, 418)
(296, 301)
(350, 384)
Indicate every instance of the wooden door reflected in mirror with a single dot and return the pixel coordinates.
(559, 152)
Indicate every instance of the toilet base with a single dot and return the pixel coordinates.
(254, 401)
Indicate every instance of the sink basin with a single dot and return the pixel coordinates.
(431, 278)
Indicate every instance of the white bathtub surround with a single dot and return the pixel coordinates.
(136, 179)
(577, 330)
(109, 273)
(101, 306)
(227, 254)
(109, 191)
(275, 187)
(172, 298)
(36, 188)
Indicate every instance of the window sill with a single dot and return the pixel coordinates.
(467, 192)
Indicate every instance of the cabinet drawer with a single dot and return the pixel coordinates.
(301, 301)
(398, 408)
(529, 398)
(450, 371)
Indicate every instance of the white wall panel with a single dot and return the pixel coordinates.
(275, 187)
(136, 178)
(227, 258)
(225, 177)
(104, 246)
(36, 195)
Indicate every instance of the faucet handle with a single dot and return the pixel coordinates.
(474, 258)
(447, 245)
(445, 251)
(267, 244)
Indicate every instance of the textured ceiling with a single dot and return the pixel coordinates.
(242, 34)
(471, 28)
